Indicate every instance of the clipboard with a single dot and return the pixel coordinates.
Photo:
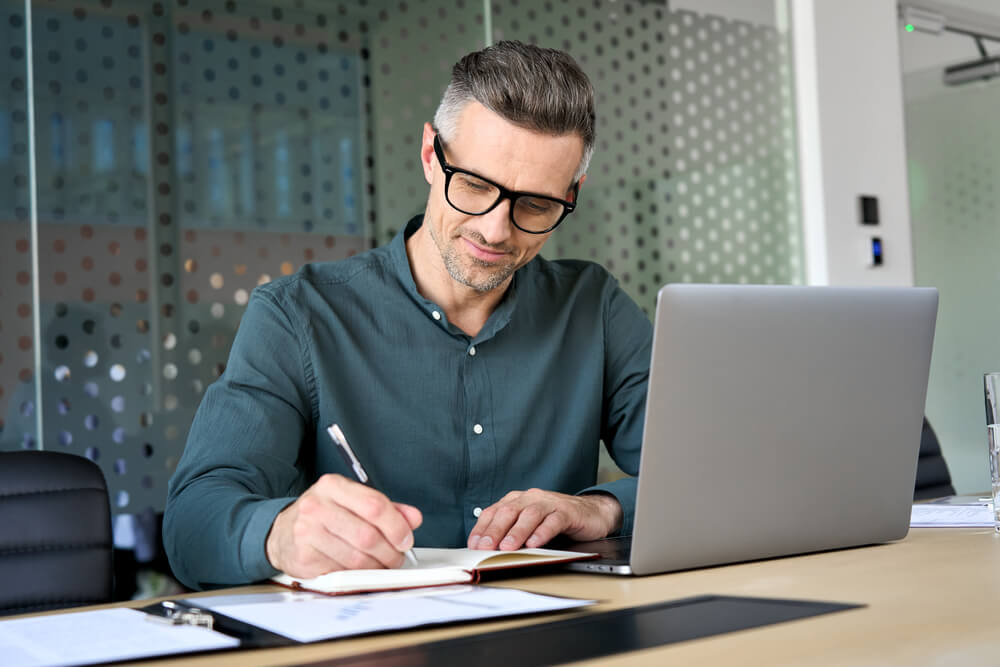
(181, 612)
(239, 621)
(116, 634)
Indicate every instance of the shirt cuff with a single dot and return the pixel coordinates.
(253, 547)
(624, 491)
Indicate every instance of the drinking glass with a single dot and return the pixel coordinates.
(991, 382)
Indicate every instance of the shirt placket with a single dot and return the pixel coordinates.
(480, 437)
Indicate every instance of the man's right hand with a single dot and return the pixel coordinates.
(340, 524)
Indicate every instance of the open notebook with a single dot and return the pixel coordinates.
(438, 567)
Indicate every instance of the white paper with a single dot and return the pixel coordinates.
(355, 581)
(471, 559)
(435, 567)
(930, 515)
(308, 617)
(88, 637)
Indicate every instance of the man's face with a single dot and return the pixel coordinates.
(482, 252)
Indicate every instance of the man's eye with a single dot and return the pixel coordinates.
(474, 185)
(538, 206)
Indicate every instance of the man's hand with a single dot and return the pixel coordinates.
(339, 524)
(532, 518)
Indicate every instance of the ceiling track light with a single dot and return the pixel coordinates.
(924, 20)
(983, 69)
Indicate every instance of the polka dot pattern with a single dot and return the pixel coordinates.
(694, 174)
(16, 313)
(188, 152)
(412, 50)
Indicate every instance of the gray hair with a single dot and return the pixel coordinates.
(532, 87)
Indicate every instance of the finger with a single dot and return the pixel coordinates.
(412, 515)
(335, 533)
(373, 507)
(504, 517)
(368, 545)
(312, 549)
(328, 525)
(349, 557)
(482, 523)
(312, 561)
(528, 520)
(486, 518)
(553, 525)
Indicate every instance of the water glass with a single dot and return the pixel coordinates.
(991, 382)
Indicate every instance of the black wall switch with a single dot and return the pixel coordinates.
(869, 209)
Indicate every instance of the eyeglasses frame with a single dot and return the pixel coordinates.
(450, 170)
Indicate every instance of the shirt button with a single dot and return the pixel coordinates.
(436, 315)
(472, 351)
(476, 512)
(477, 429)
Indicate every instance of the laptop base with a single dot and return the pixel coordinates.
(614, 559)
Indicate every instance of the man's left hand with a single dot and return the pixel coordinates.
(531, 518)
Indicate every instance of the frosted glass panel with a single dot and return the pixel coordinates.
(953, 149)
(186, 153)
(189, 151)
(694, 177)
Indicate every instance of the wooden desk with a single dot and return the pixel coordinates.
(929, 601)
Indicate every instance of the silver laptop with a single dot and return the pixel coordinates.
(779, 420)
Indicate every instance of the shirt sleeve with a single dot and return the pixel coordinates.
(238, 469)
(628, 344)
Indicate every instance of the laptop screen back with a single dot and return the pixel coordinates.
(780, 420)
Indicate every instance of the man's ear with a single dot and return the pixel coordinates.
(427, 157)
(579, 185)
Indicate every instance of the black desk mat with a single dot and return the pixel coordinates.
(599, 634)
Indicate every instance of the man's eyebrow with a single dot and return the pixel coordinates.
(555, 195)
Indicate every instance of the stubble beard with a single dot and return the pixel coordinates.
(498, 273)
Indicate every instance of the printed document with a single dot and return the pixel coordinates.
(104, 635)
(308, 617)
(935, 515)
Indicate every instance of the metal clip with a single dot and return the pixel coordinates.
(174, 614)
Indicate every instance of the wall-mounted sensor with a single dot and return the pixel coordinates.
(875, 258)
(868, 209)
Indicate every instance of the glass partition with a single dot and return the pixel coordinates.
(694, 178)
(953, 149)
(187, 152)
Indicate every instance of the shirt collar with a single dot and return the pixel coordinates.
(400, 261)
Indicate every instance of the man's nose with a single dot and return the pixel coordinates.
(495, 226)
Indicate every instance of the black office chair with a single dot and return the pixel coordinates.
(55, 532)
(933, 478)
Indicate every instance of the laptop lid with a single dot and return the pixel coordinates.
(780, 420)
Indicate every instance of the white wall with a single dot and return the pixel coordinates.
(850, 118)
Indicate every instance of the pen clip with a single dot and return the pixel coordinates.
(352, 460)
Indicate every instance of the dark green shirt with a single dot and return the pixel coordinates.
(444, 422)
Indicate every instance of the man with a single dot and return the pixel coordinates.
(473, 378)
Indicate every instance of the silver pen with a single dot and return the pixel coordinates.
(340, 440)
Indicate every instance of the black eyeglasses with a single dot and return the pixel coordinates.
(473, 194)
